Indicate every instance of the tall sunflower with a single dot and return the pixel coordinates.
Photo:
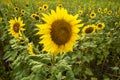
(59, 33)
(16, 27)
(88, 29)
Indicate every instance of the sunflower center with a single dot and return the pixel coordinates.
(100, 26)
(16, 27)
(92, 14)
(89, 30)
(36, 17)
(60, 32)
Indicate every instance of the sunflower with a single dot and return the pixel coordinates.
(88, 29)
(16, 9)
(16, 27)
(92, 14)
(40, 9)
(30, 49)
(80, 12)
(22, 11)
(109, 12)
(21, 15)
(59, 5)
(100, 26)
(45, 7)
(105, 10)
(33, 16)
(60, 31)
(99, 10)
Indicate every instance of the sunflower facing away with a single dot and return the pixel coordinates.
(30, 49)
(88, 29)
(59, 33)
(16, 27)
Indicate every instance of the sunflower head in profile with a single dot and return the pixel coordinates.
(60, 31)
(100, 26)
(30, 49)
(92, 14)
(88, 29)
(16, 27)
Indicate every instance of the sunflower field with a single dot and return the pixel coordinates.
(59, 39)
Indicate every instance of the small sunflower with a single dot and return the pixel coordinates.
(80, 12)
(40, 9)
(22, 11)
(109, 12)
(92, 14)
(60, 31)
(30, 49)
(45, 7)
(33, 16)
(16, 9)
(21, 15)
(105, 10)
(88, 29)
(99, 10)
(59, 5)
(100, 26)
(16, 27)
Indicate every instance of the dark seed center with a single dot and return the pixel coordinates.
(100, 26)
(60, 32)
(16, 27)
(89, 30)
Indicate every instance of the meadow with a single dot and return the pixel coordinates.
(59, 40)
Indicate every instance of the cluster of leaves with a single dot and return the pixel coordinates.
(95, 57)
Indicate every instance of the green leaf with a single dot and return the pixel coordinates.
(94, 78)
(88, 72)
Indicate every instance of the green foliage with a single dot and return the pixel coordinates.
(96, 56)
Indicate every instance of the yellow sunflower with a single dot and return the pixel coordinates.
(99, 10)
(88, 29)
(16, 9)
(33, 16)
(45, 7)
(92, 14)
(109, 12)
(59, 33)
(80, 12)
(59, 5)
(40, 9)
(100, 26)
(105, 10)
(30, 49)
(22, 11)
(16, 27)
